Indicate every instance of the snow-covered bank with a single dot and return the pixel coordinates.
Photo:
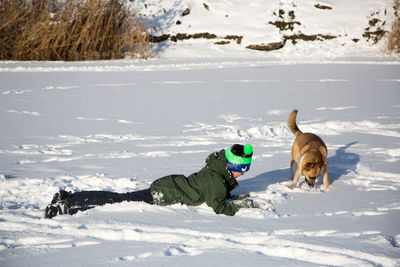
(91, 126)
(288, 29)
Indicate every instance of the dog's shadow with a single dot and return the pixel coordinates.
(339, 164)
(342, 163)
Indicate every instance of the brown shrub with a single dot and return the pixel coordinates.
(393, 39)
(72, 30)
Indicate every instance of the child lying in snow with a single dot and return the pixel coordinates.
(212, 185)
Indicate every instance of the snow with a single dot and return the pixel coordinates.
(118, 125)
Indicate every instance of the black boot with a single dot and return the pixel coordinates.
(58, 205)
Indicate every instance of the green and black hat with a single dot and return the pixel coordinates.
(238, 157)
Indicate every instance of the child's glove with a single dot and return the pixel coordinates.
(240, 197)
(245, 203)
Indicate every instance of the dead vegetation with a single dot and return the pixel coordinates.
(374, 32)
(393, 38)
(286, 24)
(283, 25)
(203, 35)
(285, 20)
(70, 30)
(311, 37)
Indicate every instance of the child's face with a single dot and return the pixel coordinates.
(236, 175)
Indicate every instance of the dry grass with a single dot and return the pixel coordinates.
(393, 39)
(72, 30)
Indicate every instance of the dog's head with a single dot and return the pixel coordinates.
(311, 164)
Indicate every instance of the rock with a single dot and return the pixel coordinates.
(186, 12)
(322, 6)
(267, 47)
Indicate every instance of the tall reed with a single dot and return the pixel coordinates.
(393, 39)
(70, 30)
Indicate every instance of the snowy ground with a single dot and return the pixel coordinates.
(119, 125)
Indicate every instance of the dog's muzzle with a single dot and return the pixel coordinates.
(311, 181)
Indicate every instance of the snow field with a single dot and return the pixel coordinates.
(108, 130)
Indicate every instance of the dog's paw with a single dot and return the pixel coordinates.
(292, 186)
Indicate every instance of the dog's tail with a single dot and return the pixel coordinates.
(291, 123)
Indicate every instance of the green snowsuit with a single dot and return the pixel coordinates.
(212, 185)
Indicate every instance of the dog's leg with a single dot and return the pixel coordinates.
(295, 179)
(293, 168)
(326, 180)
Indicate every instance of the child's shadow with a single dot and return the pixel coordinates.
(339, 164)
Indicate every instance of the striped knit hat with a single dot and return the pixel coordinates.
(238, 157)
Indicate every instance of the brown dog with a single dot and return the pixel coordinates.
(309, 154)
